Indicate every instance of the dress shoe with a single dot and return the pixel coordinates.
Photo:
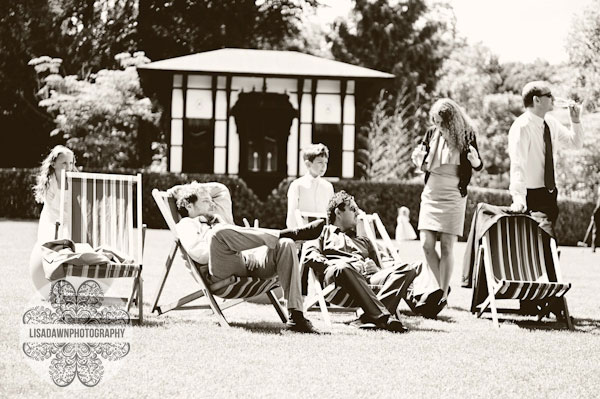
(392, 324)
(298, 323)
(310, 231)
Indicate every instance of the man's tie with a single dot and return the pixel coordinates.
(548, 160)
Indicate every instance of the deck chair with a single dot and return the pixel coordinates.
(234, 290)
(105, 211)
(519, 261)
(331, 294)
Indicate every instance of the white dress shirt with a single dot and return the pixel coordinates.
(195, 238)
(527, 150)
(308, 194)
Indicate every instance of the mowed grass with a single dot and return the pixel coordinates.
(186, 354)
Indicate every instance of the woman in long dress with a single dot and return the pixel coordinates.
(47, 192)
(447, 155)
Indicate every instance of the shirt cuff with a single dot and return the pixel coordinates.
(520, 199)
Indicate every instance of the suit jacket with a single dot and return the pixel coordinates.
(464, 169)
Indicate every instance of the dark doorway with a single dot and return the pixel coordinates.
(198, 149)
(263, 122)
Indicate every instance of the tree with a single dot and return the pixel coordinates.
(104, 118)
(499, 112)
(390, 139)
(583, 49)
(172, 28)
(402, 38)
(468, 75)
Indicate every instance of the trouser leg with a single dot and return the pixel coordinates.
(355, 285)
(227, 242)
(283, 260)
(395, 281)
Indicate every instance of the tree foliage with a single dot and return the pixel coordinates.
(177, 27)
(401, 38)
(391, 139)
(104, 118)
(583, 50)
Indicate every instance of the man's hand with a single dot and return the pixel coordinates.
(574, 112)
(251, 262)
(518, 207)
(370, 267)
(473, 157)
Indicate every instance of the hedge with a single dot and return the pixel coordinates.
(17, 200)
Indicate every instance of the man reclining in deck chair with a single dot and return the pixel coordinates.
(208, 236)
(351, 262)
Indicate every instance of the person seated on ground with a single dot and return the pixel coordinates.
(349, 261)
(229, 250)
(310, 193)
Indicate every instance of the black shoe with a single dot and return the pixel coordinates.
(308, 232)
(298, 323)
(392, 324)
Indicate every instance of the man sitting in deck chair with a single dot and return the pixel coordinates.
(351, 262)
(208, 237)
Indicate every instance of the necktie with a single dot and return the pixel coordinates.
(548, 160)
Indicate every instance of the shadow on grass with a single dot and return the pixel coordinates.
(261, 327)
(591, 326)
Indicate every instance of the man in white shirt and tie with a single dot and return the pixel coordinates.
(533, 140)
(310, 193)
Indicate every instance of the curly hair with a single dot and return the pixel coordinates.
(458, 129)
(185, 194)
(338, 201)
(47, 170)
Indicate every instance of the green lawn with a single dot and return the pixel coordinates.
(189, 355)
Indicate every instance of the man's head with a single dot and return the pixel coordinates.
(193, 200)
(538, 97)
(342, 211)
(315, 158)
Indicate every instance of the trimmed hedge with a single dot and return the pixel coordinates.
(17, 200)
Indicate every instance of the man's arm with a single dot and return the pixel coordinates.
(292, 199)
(219, 193)
(193, 241)
(518, 148)
(569, 138)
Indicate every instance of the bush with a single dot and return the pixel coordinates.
(17, 200)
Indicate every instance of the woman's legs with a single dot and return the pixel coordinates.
(428, 240)
(446, 260)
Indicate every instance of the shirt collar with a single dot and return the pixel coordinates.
(309, 177)
(535, 119)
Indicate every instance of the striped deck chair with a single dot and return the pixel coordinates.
(106, 211)
(367, 226)
(234, 290)
(519, 261)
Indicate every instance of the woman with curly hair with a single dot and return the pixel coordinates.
(47, 189)
(447, 155)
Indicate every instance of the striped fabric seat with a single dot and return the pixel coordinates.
(246, 287)
(521, 268)
(107, 270)
(519, 261)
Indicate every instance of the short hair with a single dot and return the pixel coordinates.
(187, 194)
(531, 89)
(315, 150)
(338, 201)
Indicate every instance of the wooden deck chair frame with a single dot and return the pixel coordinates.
(205, 288)
(368, 225)
(494, 288)
(119, 235)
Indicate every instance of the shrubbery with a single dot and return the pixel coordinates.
(17, 200)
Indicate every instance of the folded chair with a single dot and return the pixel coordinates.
(105, 210)
(234, 290)
(367, 226)
(519, 261)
